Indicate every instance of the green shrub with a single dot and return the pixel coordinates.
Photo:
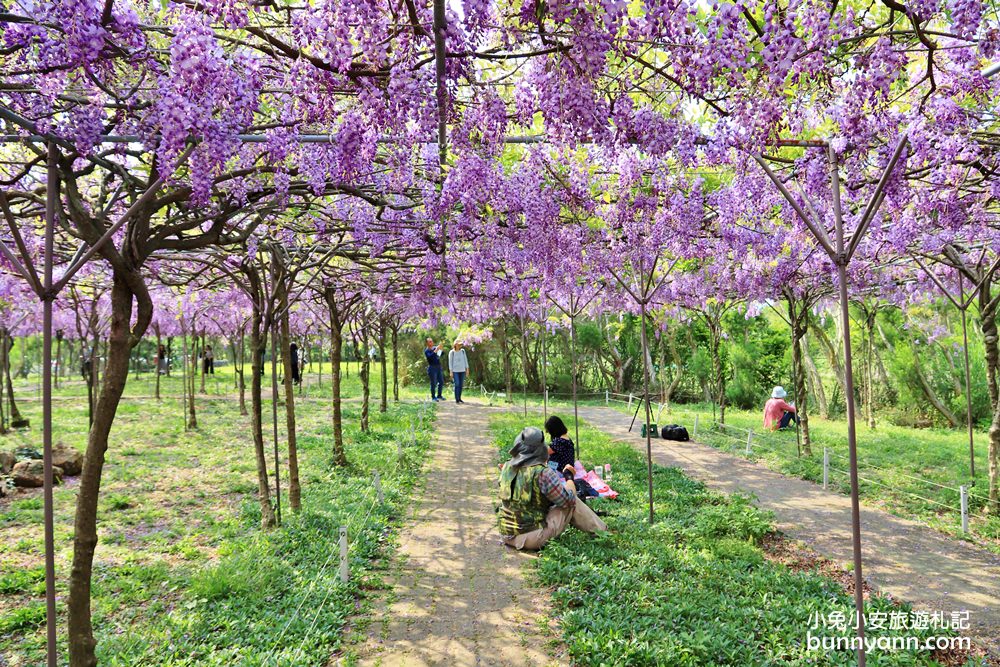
(30, 615)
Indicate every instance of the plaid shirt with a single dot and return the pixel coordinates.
(552, 485)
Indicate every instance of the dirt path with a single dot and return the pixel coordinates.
(460, 597)
(906, 559)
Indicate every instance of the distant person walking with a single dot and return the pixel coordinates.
(458, 365)
(209, 360)
(293, 353)
(161, 360)
(777, 413)
(434, 372)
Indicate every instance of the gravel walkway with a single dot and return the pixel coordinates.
(459, 596)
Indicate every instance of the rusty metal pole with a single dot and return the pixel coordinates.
(545, 363)
(645, 390)
(51, 200)
(842, 260)
(572, 348)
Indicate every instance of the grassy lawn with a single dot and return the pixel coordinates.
(183, 575)
(693, 589)
(909, 472)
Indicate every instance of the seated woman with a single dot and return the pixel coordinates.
(536, 503)
(777, 413)
(562, 452)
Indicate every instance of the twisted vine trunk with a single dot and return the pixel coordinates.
(799, 319)
(339, 456)
(14, 413)
(242, 378)
(395, 364)
(157, 371)
(202, 361)
(58, 357)
(4, 363)
(815, 381)
(508, 374)
(364, 373)
(718, 371)
(988, 325)
(870, 366)
(121, 342)
(192, 415)
(384, 404)
(294, 488)
(258, 340)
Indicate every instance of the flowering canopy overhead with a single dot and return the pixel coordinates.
(578, 134)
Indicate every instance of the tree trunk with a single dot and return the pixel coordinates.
(364, 374)
(798, 317)
(157, 371)
(15, 414)
(814, 379)
(258, 339)
(508, 373)
(931, 395)
(242, 374)
(201, 361)
(294, 489)
(55, 376)
(714, 323)
(121, 342)
(192, 418)
(395, 363)
(870, 366)
(988, 325)
(833, 357)
(4, 363)
(339, 457)
(384, 404)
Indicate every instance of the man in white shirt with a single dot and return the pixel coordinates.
(458, 366)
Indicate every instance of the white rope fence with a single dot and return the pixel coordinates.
(340, 550)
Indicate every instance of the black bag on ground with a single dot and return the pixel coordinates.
(675, 432)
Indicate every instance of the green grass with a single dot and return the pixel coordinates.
(903, 469)
(692, 589)
(183, 575)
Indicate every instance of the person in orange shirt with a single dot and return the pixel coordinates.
(777, 413)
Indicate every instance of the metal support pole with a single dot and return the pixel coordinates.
(607, 397)
(826, 468)
(545, 370)
(696, 425)
(645, 388)
(51, 201)
(749, 442)
(630, 400)
(576, 407)
(345, 566)
(842, 259)
(964, 493)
